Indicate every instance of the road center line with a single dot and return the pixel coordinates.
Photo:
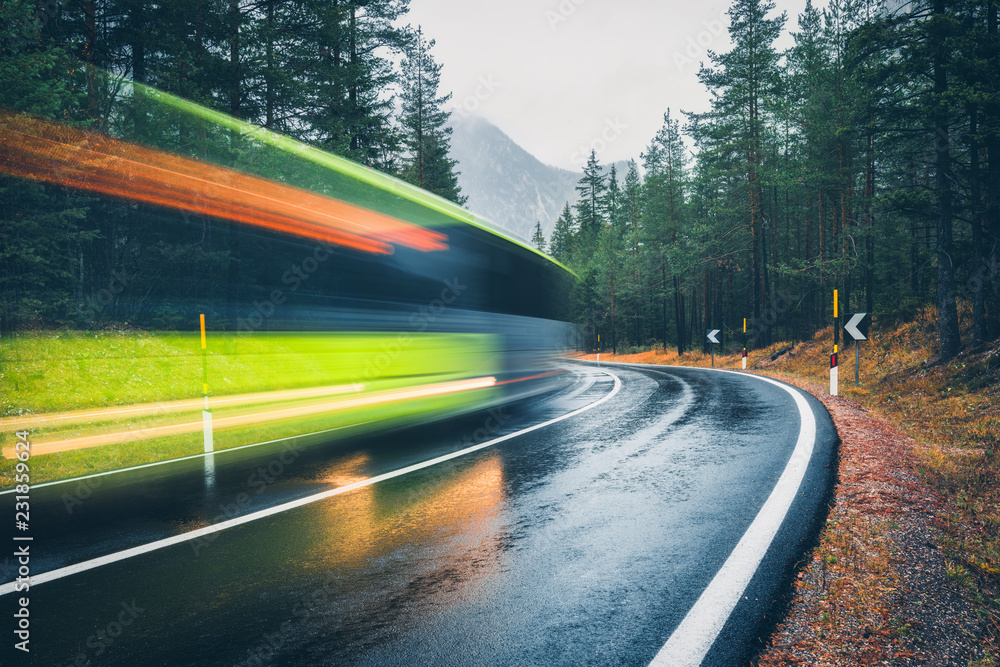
(59, 573)
(691, 641)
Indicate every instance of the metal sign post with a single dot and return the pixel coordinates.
(711, 335)
(857, 328)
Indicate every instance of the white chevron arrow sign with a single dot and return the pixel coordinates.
(711, 335)
(852, 326)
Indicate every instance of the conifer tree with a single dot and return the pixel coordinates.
(743, 83)
(562, 241)
(427, 135)
(590, 207)
(538, 238)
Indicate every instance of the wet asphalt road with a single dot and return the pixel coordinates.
(583, 542)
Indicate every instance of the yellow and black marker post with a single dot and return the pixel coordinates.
(206, 414)
(744, 343)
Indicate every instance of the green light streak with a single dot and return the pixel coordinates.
(449, 212)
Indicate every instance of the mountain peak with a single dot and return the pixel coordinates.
(506, 184)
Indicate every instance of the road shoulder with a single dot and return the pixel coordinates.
(876, 589)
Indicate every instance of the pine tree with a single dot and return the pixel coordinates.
(562, 243)
(665, 162)
(424, 120)
(743, 83)
(40, 232)
(632, 197)
(538, 238)
(590, 207)
(349, 76)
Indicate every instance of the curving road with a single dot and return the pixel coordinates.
(639, 515)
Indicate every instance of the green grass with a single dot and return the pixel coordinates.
(56, 371)
(53, 371)
(63, 465)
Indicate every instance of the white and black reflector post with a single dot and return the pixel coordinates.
(833, 374)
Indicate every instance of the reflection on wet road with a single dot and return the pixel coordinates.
(583, 542)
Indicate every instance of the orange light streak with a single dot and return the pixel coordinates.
(531, 377)
(28, 422)
(376, 398)
(52, 153)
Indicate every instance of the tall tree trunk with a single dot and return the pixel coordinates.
(947, 306)
(138, 39)
(137, 19)
(765, 286)
(269, 74)
(978, 265)
(869, 223)
(679, 314)
(663, 301)
(90, 56)
(822, 260)
(843, 216)
(234, 58)
(352, 92)
(807, 256)
(992, 257)
(614, 332)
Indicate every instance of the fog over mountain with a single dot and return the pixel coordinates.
(505, 184)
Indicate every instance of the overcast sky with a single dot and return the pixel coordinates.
(562, 76)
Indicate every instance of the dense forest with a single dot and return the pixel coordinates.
(342, 75)
(866, 158)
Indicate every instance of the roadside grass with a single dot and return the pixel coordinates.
(952, 410)
(46, 372)
(79, 462)
(67, 370)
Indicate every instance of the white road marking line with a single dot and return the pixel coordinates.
(691, 641)
(277, 509)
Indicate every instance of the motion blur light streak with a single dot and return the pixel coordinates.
(19, 422)
(60, 155)
(377, 398)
